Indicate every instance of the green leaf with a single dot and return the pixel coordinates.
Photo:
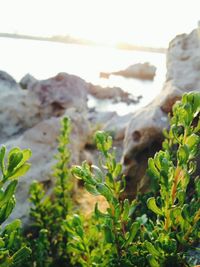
(132, 233)
(152, 250)
(152, 261)
(91, 189)
(126, 207)
(186, 213)
(152, 170)
(20, 171)
(192, 141)
(6, 210)
(8, 193)
(151, 204)
(2, 156)
(20, 256)
(109, 236)
(14, 159)
(98, 213)
(105, 191)
(183, 154)
(13, 226)
(76, 220)
(117, 170)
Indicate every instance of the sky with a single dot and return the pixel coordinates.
(140, 22)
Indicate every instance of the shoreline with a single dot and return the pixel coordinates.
(71, 40)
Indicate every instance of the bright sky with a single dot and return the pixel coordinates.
(145, 22)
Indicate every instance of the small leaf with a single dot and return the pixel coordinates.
(20, 171)
(133, 231)
(152, 170)
(105, 191)
(151, 204)
(6, 210)
(8, 193)
(126, 207)
(98, 213)
(117, 170)
(91, 189)
(14, 159)
(183, 154)
(109, 236)
(152, 250)
(152, 261)
(2, 156)
(20, 256)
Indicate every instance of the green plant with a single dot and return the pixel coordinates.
(166, 240)
(12, 166)
(122, 240)
(173, 169)
(126, 234)
(49, 237)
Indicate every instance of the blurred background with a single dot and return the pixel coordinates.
(87, 37)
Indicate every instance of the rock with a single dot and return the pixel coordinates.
(60, 92)
(7, 83)
(117, 125)
(183, 62)
(143, 136)
(105, 75)
(17, 113)
(42, 140)
(114, 93)
(27, 81)
(20, 110)
(143, 71)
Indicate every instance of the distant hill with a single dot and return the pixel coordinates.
(127, 46)
(73, 40)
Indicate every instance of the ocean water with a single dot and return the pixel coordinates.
(45, 59)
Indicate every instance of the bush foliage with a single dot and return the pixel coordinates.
(157, 229)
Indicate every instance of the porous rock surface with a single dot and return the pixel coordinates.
(143, 135)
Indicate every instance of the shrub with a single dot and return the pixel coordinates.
(13, 165)
(163, 242)
(48, 237)
(161, 232)
(173, 169)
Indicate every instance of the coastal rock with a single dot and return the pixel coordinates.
(27, 81)
(60, 92)
(7, 83)
(17, 113)
(22, 109)
(183, 70)
(114, 93)
(143, 136)
(183, 62)
(143, 71)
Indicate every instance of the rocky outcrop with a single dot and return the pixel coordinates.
(183, 62)
(143, 136)
(143, 71)
(20, 110)
(7, 83)
(116, 94)
(59, 93)
(27, 81)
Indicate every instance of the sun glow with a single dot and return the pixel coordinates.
(106, 21)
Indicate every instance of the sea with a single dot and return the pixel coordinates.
(44, 59)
